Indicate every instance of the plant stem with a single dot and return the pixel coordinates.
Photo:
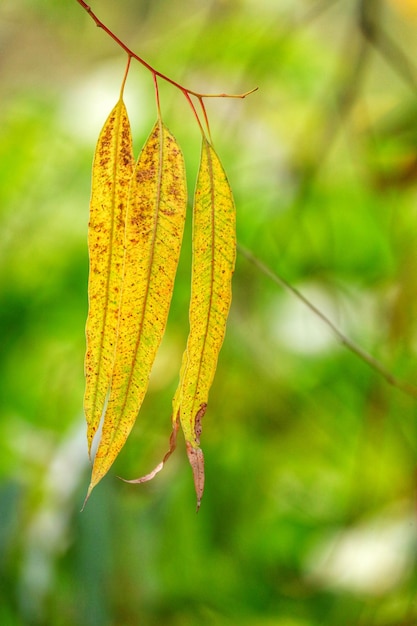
(206, 120)
(129, 58)
(158, 103)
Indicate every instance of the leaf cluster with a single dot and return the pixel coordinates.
(137, 216)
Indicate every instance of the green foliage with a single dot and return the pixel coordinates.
(309, 452)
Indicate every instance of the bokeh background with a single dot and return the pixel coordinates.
(309, 512)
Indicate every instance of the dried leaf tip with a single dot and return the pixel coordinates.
(159, 467)
(196, 459)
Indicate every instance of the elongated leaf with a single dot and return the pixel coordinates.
(154, 229)
(112, 171)
(214, 252)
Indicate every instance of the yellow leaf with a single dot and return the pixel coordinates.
(112, 171)
(214, 252)
(154, 229)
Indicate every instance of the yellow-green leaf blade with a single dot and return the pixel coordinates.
(112, 170)
(214, 252)
(154, 229)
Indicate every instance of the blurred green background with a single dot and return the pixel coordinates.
(308, 517)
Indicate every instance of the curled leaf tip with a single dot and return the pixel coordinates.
(159, 467)
(144, 479)
(196, 459)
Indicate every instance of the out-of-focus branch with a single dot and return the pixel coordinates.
(369, 21)
(367, 358)
(337, 102)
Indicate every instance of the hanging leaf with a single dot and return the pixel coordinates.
(154, 229)
(214, 251)
(112, 170)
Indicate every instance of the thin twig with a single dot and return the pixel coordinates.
(155, 72)
(403, 386)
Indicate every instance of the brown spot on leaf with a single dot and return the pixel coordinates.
(198, 426)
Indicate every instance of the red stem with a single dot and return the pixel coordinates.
(129, 58)
(191, 103)
(158, 104)
(203, 108)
